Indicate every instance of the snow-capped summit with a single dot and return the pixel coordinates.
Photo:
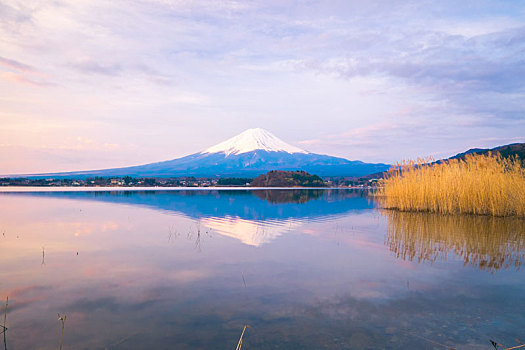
(249, 154)
(252, 140)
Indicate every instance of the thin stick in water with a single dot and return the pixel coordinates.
(5, 313)
(5, 321)
(63, 320)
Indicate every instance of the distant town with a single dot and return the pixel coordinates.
(128, 181)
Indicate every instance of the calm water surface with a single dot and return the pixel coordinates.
(305, 269)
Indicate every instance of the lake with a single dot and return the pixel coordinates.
(304, 269)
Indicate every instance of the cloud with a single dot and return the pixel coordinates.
(20, 73)
(90, 66)
(15, 78)
(331, 74)
(452, 67)
(16, 65)
(12, 16)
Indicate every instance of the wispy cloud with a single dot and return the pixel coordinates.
(179, 75)
(91, 66)
(5, 62)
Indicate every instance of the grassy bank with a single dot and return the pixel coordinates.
(479, 184)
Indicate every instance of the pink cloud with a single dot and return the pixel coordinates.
(12, 64)
(16, 78)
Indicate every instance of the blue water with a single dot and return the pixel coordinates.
(304, 269)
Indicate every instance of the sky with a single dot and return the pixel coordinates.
(90, 84)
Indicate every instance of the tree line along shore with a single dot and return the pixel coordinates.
(274, 178)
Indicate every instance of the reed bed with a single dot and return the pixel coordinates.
(478, 184)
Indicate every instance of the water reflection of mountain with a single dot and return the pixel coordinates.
(289, 196)
(250, 232)
(244, 204)
(489, 243)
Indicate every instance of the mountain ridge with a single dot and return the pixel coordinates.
(510, 150)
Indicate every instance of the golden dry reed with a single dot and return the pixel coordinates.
(479, 184)
(239, 344)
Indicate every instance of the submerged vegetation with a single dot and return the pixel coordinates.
(484, 184)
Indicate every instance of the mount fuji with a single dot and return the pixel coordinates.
(249, 154)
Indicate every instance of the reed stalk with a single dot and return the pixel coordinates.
(5, 311)
(5, 322)
(239, 344)
(479, 184)
(62, 319)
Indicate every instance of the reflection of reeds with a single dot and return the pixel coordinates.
(479, 184)
(489, 243)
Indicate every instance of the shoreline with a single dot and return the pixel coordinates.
(19, 189)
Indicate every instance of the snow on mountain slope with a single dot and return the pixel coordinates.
(249, 154)
(251, 140)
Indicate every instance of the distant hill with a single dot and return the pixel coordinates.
(506, 151)
(277, 178)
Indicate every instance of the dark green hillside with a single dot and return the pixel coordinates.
(278, 178)
(512, 150)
